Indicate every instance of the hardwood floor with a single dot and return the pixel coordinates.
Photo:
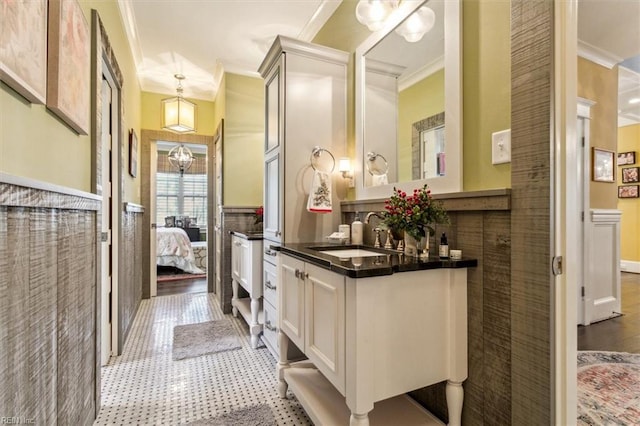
(197, 285)
(621, 334)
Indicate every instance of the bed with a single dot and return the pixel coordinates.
(173, 248)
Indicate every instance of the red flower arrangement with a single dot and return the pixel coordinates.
(259, 215)
(415, 214)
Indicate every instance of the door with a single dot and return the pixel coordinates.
(106, 234)
(217, 225)
(292, 300)
(153, 170)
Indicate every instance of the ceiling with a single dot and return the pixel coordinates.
(202, 39)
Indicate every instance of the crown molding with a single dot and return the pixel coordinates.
(597, 55)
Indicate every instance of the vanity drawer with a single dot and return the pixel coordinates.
(270, 328)
(270, 283)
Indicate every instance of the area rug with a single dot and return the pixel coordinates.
(608, 388)
(192, 340)
(257, 415)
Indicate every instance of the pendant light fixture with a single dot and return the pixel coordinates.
(178, 114)
(417, 24)
(181, 158)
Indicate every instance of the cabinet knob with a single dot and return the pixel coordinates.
(270, 327)
(268, 285)
(270, 252)
(297, 273)
(278, 233)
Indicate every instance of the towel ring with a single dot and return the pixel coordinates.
(315, 155)
(377, 165)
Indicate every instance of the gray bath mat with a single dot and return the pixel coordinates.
(257, 415)
(192, 340)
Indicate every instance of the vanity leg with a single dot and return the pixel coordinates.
(455, 397)
(283, 363)
(234, 297)
(359, 419)
(254, 326)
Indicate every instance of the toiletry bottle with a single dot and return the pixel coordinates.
(444, 246)
(357, 230)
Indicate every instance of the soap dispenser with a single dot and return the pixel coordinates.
(357, 230)
(443, 250)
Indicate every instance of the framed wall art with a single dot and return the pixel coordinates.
(602, 166)
(626, 158)
(628, 191)
(68, 70)
(23, 51)
(133, 153)
(630, 175)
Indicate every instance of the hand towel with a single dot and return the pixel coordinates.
(377, 180)
(320, 193)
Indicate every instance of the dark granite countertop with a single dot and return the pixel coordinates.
(247, 235)
(389, 262)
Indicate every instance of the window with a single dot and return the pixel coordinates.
(181, 196)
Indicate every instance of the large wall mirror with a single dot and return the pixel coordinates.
(409, 105)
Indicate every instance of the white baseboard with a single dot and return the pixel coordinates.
(630, 266)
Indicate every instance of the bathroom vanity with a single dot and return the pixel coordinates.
(374, 324)
(246, 272)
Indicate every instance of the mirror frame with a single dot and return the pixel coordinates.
(452, 181)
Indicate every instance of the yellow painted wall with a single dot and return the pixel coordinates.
(486, 90)
(243, 156)
(629, 140)
(152, 113)
(600, 84)
(35, 144)
(486, 82)
(414, 106)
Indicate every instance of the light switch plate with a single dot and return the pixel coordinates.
(501, 147)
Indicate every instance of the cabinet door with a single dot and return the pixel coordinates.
(325, 323)
(236, 255)
(270, 284)
(292, 299)
(274, 90)
(246, 265)
(272, 229)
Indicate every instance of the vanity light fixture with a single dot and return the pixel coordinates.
(373, 14)
(181, 158)
(178, 114)
(344, 167)
(417, 25)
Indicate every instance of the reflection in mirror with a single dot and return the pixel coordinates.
(401, 103)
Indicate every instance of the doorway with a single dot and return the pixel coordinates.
(179, 207)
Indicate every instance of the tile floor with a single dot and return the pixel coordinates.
(145, 386)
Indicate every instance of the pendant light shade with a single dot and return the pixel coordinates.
(178, 114)
(373, 13)
(181, 158)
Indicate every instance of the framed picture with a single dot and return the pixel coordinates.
(602, 167)
(23, 53)
(133, 153)
(630, 175)
(626, 158)
(69, 66)
(628, 191)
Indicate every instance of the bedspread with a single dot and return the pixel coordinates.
(173, 248)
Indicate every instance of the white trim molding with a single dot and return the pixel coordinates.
(597, 55)
(632, 266)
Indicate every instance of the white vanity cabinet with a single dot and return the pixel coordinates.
(372, 340)
(246, 272)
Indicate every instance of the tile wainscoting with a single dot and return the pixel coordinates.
(49, 302)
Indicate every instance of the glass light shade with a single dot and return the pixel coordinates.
(181, 158)
(373, 13)
(178, 115)
(417, 25)
(344, 165)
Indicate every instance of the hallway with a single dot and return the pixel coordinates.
(145, 386)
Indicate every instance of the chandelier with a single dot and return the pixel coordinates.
(373, 14)
(181, 158)
(178, 114)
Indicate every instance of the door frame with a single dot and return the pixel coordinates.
(147, 140)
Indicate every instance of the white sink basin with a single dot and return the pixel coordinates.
(347, 253)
